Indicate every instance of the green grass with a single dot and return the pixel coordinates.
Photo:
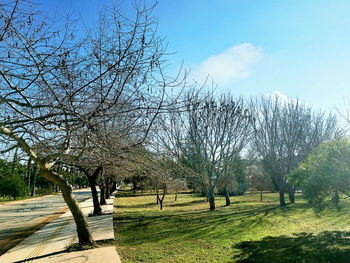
(246, 231)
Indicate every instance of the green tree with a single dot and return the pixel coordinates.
(325, 173)
(12, 186)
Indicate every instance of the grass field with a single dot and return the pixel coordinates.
(247, 231)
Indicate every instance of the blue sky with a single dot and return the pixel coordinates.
(300, 48)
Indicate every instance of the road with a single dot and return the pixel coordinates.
(49, 243)
(21, 219)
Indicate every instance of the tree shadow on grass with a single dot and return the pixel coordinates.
(186, 204)
(128, 193)
(328, 246)
(154, 227)
(143, 205)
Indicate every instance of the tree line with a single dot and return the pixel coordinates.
(99, 103)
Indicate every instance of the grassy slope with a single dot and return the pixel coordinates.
(247, 231)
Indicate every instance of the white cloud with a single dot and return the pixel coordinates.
(226, 67)
(283, 98)
(279, 95)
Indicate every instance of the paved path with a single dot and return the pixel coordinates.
(21, 219)
(50, 242)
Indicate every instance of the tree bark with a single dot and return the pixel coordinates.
(102, 194)
(282, 201)
(162, 199)
(33, 180)
(92, 182)
(211, 198)
(227, 196)
(83, 231)
(108, 189)
(114, 187)
(291, 195)
(29, 170)
(97, 207)
(134, 187)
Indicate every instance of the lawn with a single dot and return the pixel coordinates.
(246, 231)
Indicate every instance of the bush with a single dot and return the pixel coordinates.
(12, 186)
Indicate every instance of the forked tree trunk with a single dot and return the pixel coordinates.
(161, 204)
(83, 231)
(92, 182)
(162, 199)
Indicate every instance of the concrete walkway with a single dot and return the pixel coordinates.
(49, 243)
(97, 255)
(20, 219)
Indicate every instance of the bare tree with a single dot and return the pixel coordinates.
(55, 86)
(207, 137)
(285, 132)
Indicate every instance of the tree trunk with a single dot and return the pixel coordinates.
(211, 198)
(291, 195)
(113, 187)
(162, 199)
(261, 196)
(134, 187)
(83, 231)
(33, 180)
(97, 207)
(92, 182)
(29, 170)
(175, 196)
(282, 201)
(102, 194)
(227, 196)
(108, 189)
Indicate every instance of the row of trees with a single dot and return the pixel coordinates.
(99, 103)
(80, 100)
(213, 134)
(18, 179)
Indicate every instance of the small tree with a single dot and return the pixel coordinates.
(325, 173)
(12, 186)
(259, 180)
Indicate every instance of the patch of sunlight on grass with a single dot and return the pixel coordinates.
(247, 231)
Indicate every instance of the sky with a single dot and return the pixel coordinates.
(298, 48)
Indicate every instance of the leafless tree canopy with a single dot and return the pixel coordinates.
(207, 137)
(284, 134)
(59, 86)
